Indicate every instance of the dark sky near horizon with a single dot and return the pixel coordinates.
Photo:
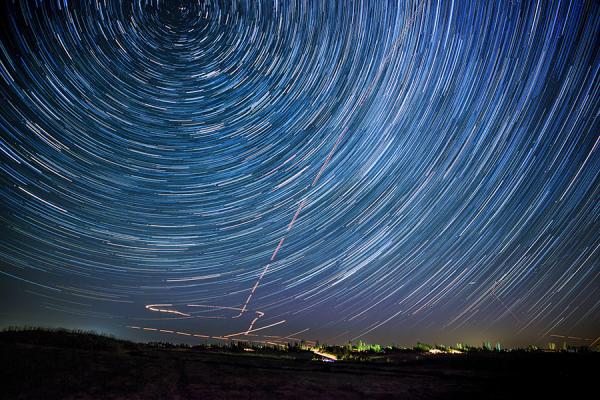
(332, 170)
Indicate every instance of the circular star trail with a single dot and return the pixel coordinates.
(390, 171)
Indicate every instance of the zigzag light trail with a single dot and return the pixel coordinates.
(260, 314)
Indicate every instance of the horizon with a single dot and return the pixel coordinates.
(384, 172)
(558, 343)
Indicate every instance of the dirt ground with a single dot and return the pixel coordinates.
(34, 371)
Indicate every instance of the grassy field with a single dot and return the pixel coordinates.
(65, 365)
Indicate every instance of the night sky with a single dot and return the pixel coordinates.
(332, 170)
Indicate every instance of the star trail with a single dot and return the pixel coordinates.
(389, 171)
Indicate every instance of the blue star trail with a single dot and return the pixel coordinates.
(335, 170)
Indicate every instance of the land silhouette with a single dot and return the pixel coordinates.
(61, 364)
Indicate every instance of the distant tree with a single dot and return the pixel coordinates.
(423, 347)
(532, 347)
